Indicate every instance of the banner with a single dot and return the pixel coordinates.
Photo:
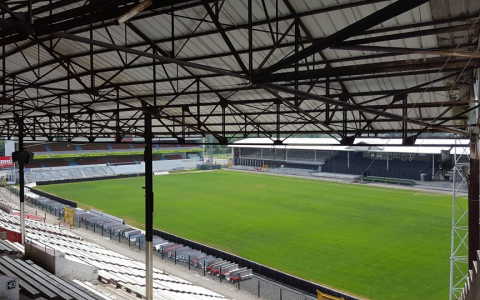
(6, 162)
(118, 153)
(127, 138)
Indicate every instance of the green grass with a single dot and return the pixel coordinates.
(373, 242)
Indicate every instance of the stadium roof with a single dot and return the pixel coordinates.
(267, 68)
(422, 146)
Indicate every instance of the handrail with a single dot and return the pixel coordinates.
(322, 296)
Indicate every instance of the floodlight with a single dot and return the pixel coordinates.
(22, 157)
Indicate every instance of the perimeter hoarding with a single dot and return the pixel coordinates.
(6, 162)
(116, 153)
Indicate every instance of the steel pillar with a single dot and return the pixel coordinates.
(148, 207)
(21, 173)
(473, 205)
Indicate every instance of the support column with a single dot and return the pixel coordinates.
(473, 205)
(21, 173)
(433, 167)
(148, 207)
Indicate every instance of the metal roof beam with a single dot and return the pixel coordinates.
(250, 88)
(360, 108)
(233, 132)
(298, 121)
(225, 37)
(244, 51)
(383, 67)
(254, 102)
(344, 78)
(185, 67)
(146, 54)
(398, 50)
(322, 55)
(360, 26)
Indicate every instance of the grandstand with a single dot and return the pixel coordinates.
(368, 157)
(52, 154)
(111, 266)
(55, 161)
(107, 88)
(116, 228)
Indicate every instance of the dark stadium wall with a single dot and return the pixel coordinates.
(89, 179)
(359, 165)
(53, 197)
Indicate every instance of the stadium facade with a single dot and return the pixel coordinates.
(367, 157)
(76, 160)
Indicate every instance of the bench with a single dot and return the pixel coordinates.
(388, 180)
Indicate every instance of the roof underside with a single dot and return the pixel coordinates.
(268, 68)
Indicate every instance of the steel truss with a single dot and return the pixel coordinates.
(459, 236)
(296, 88)
(51, 107)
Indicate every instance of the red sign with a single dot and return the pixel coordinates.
(6, 161)
(127, 138)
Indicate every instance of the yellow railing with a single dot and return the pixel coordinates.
(322, 296)
(69, 216)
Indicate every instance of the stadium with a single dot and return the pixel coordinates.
(251, 149)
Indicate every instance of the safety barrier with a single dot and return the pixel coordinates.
(276, 275)
(53, 197)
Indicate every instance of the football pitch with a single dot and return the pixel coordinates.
(372, 242)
